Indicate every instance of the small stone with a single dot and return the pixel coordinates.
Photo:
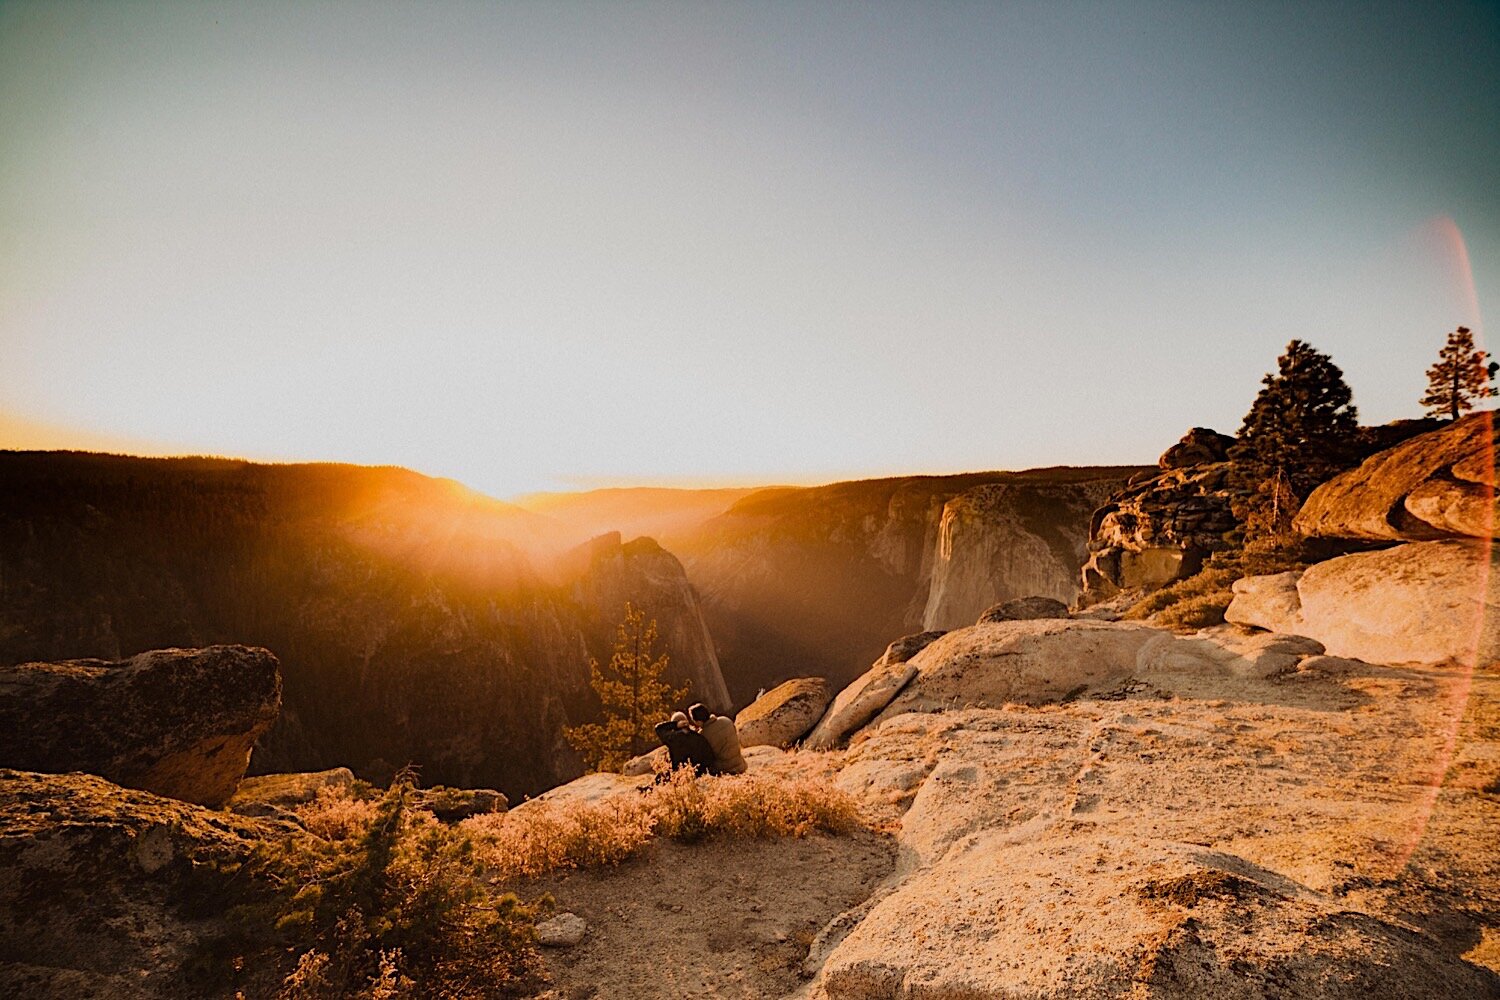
(563, 931)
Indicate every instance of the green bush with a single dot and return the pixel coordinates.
(398, 909)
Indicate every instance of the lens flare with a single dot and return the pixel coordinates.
(1444, 233)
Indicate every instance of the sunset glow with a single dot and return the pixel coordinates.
(543, 246)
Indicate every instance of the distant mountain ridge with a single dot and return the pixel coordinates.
(411, 616)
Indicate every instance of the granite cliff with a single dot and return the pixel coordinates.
(816, 580)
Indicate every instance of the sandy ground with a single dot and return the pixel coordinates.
(729, 919)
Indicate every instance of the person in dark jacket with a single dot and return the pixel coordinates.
(686, 747)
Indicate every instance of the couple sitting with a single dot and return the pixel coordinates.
(707, 743)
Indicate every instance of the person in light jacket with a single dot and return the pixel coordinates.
(722, 736)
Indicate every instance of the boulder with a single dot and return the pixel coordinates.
(453, 804)
(1025, 609)
(1199, 446)
(646, 763)
(784, 714)
(178, 722)
(1026, 662)
(858, 703)
(562, 931)
(269, 794)
(1423, 602)
(908, 646)
(111, 892)
(1436, 485)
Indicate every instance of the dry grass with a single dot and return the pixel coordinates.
(337, 815)
(542, 838)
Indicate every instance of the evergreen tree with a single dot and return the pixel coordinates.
(633, 693)
(1462, 374)
(1301, 430)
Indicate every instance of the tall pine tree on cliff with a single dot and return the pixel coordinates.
(634, 694)
(1300, 431)
(1463, 373)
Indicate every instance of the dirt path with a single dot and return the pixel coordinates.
(729, 919)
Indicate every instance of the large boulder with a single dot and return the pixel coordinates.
(860, 702)
(109, 892)
(178, 722)
(1025, 662)
(1423, 602)
(1436, 485)
(784, 714)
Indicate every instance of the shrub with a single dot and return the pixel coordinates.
(543, 837)
(393, 903)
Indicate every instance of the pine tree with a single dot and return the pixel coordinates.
(1300, 431)
(1463, 373)
(633, 693)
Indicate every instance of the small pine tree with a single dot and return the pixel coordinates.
(633, 693)
(1463, 373)
(1301, 430)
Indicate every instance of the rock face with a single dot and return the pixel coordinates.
(814, 582)
(1025, 609)
(1158, 530)
(104, 890)
(643, 572)
(783, 715)
(1002, 542)
(1199, 446)
(1437, 485)
(178, 722)
(1423, 602)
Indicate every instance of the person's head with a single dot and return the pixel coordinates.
(698, 713)
(679, 719)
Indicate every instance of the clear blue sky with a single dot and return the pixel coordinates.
(550, 244)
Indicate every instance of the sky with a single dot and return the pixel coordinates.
(559, 245)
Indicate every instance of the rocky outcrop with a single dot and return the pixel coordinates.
(1006, 541)
(1158, 530)
(1025, 609)
(178, 722)
(1437, 485)
(1423, 602)
(784, 714)
(109, 892)
(1199, 446)
(613, 573)
(1240, 817)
